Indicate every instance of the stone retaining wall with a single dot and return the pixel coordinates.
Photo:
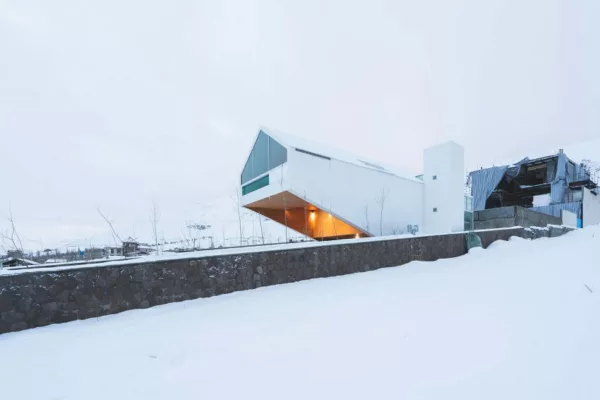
(36, 298)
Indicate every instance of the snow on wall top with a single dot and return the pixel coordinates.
(294, 142)
(224, 252)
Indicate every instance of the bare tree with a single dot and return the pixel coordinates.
(114, 233)
(187, 238)
(260, 224)
(332, 220)
(305, 217)
(194, 231)
(190, 236)
(592, 168)
(284, 206)
(154, 217)
(238, 207)
(381, 202)
(12, 235)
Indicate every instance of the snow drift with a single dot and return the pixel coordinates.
(520, 320)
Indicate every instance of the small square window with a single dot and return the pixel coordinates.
(435, 177)
(434, 209)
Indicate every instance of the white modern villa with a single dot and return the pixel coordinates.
(328, 194)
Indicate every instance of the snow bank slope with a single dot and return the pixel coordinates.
(516, 321)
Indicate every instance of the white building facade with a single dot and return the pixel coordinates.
(327, 194)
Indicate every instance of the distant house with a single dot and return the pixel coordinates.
(130, 246)
(113, 251)
(94, 253)
(16, 262)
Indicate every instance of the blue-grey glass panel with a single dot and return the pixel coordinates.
(277, 154)
(261, 155)
(247, 172)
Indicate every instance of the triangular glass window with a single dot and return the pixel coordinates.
(277, 154)
(265, 155)
(261, 154)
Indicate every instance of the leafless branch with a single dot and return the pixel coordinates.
(238, 207)
(12, 235)
(284, 207)
(194, 230)
(381, 201)
(154, 217)
(186, 239)
(190, 238)
(305, 217)
(332, 219)
(114, 233)
(260, 223)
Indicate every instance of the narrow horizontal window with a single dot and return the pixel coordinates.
(257, 184)
(313, 154)
(369, 164)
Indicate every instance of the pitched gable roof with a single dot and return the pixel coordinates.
(293, 142)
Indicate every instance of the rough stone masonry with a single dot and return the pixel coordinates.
(33, 299)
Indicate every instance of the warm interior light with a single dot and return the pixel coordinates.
(313, 215)
(357, 236)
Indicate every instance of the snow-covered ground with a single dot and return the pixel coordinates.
(520, 320)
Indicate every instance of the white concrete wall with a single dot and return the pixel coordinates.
(591, 208)
(568, 218)
(443, 174)
(351, 193)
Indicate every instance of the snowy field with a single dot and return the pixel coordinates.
(520, 320)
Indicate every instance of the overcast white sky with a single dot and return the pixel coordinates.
(114, 104)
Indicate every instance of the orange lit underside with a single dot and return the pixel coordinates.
(304, 217)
